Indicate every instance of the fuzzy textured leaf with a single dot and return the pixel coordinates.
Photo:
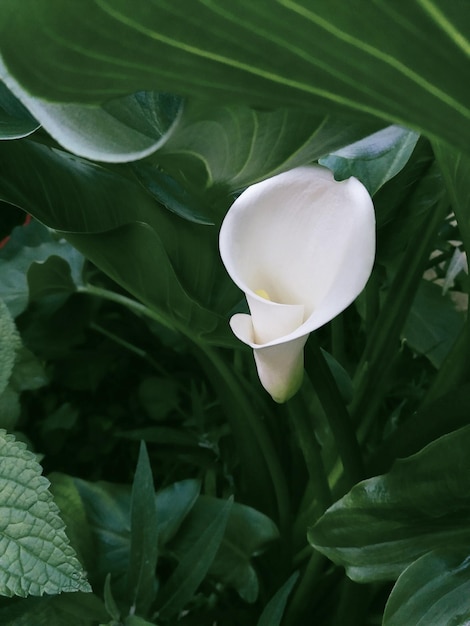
(36, 555)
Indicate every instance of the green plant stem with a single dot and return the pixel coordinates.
(303, 592)
(249, 429)
(128, 346)
(372, 374)
(305, 432)
(137, 307)
(252, 438)
(336, 412)
(337, 338)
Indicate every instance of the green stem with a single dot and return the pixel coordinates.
(311, 450)
(128, 346)
(303, 592)
(252, 438)
(129, 303)
(335, 411)
(251, 433)
(372, 374)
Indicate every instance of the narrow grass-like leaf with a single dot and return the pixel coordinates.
(142, 583)
(193, 567)
(274, 610)
(36, 554)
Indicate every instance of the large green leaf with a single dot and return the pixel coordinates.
(170, 264)
(235, 146)
(433, 590)
(385, 523)
(404, 63)
(15, 120)
(129, 128)
(36, 555)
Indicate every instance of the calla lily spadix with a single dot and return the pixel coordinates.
(301, 246)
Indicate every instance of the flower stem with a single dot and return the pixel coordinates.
(335, 411)
(258, 456)
(304, 429)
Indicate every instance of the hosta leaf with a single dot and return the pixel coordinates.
(15, 120)
(375, 159)
(36, 555)
(384, 523)
(404, 63)
(435, 589)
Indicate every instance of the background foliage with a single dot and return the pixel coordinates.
(126, 133)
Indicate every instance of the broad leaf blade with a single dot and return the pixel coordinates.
(36, 555)
(433, 590)
(15, 120)
(231, 147)
(126, 129)
(385, 523)
(403, 63)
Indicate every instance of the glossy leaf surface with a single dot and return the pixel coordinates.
(385, 523)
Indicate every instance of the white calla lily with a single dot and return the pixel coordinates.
(301, 246)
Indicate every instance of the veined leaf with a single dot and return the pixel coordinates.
(231, 147)
(126, 129)
(385, 523)
(404, 63)
(15, 120)
(36, 555)
(435, 589)
(10, 343)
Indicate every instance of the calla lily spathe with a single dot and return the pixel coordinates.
(301, 247)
